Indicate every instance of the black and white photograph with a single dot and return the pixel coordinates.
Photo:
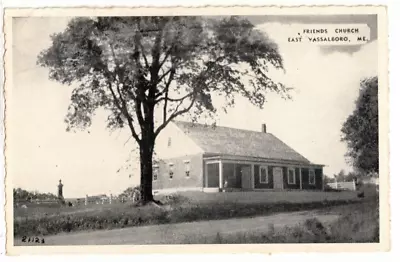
(210, 128)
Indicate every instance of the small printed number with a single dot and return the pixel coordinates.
(33, 240)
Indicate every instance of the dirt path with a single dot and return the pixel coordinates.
(177, 233)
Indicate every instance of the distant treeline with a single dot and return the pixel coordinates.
(24, 195)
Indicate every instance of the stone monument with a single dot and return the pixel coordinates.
(60, 193)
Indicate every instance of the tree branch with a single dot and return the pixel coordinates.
(144, 56)
(166, 90)
(123, 108)
(176, 113)
(141, 45)
(172, 73)
(167, 54)
(174, 99)
(164, 75)
(124, 111)
(165, 104)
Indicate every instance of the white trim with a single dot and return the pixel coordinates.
(256, 161)
(210, 189)
(206, 175)
(309, 175)
(216, 162)
(266, 169)
(221, 172)
(234, 170)
(294, 175)
(212, 161)
(217, 159)
(252, 177)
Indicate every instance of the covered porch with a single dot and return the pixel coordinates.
(233, 173)
(228, 175)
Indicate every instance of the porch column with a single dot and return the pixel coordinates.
(301, 179)
(206, 175)
(252, 176)
(234, 170)
(221, 173)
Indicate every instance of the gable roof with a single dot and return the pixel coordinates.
(221, 140)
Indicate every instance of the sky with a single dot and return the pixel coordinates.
(40, 151)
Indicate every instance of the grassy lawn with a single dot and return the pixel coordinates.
(40, 221)
(358, 223)
(252, 197)
(41, 211)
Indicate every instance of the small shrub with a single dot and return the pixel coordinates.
(218, 238)
(174, 199)
(271, 229)
(316, 228)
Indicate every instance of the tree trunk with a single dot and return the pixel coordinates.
(146, 170)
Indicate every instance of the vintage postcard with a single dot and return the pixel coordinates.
(170, 130)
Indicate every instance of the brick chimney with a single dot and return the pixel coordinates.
(264, 128)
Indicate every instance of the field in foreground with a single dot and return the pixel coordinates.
(356, 223)
(349, 223)
(178, 209)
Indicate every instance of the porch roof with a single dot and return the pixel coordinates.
(258, 160)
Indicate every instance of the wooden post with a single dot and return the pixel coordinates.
(221, 173)
(134, 196)
(252, 176)
(354, 185)
(336, 184)
(206, 175)
(110, 198)
(86, 200)
(301, 179)
(234, 172)
(323, 182)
